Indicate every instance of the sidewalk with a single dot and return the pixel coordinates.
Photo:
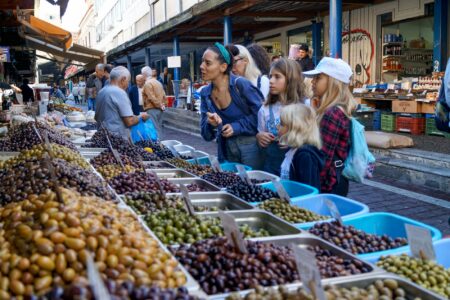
(424, 206)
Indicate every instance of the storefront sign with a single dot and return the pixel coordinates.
(4, 54)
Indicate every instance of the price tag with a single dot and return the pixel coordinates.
(194, 156)
(53, 178)
(187, 200)
(334, 211)
(95, 280)
(309, 272)
(158, 182)
(215, 163)
(232, 232)
(281, 191)
(243, 174)
(420, 242)
(37, 132)
(117, 157)
(174, 152)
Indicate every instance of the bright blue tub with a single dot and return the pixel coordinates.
(227, 166)
(294, 189)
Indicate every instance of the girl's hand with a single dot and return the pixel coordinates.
(227, 131)
(265, 138)
(214, 119)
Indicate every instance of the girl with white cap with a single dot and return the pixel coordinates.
(330, 84)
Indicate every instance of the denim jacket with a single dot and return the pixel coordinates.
(247, 98)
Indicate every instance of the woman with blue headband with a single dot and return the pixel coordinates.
(229, 109)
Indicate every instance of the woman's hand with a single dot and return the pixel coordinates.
(214, 119)
(265, 138)
(227, 131)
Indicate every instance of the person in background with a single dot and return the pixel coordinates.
(135, 95)
(286, 87)
(147, 72)
(166, 80)
(229, 109)
(275, 58)
(113, 106)
(155, 75)
(82, 90)
(299, 131)
(245, 66)
(330, 84)
(99, 80)
(27, 92)
(154, 99)
(261, 58)
(303, 58)
(58, 93)
(105, 79)
(91, 91)
(75, 93)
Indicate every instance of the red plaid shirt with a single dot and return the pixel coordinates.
(335, 131)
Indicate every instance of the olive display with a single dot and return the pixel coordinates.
(5, 145)
(157, 165)
(387, 289)
(124, 291)
(173, 226)
(46, 241)
(23, 136)
(159, 149)
(140, 182)
(259, 181)
(354, 240)
(426, 273)
(99, 140)
(135, 152)
(145, 202)
(193, 187)
(58, 151)
(204, 208)
(290, 213)
(251, 193)
(196, 169)
(34, 177)
(107, 158)
(110, 171)
(222, 179)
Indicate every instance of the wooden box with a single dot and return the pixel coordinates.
(428, 107)
(406, 106)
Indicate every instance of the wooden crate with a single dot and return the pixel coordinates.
(406, 106)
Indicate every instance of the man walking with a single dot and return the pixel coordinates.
(135, 95)
(303, 58)
(154, 99)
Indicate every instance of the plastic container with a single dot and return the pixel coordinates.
(171, 143)
(430, 128)
(348, 208)
(170, 101)
(415, 126)
(294, 189)
(390, 224)
(387, 122)
(231, 167)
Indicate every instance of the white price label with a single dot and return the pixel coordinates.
(215, 163)
(308, 271)
(282, 193)
(243, 174)
(420, 242)
(334, 211)
(232, 232)
(158, 182)
(187, 199)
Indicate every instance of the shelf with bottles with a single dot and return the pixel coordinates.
(418, 55)
(392, 64)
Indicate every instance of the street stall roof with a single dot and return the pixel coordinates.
(205, 20)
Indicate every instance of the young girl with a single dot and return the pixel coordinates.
(330, 84)
(286, 87)
(299, 131)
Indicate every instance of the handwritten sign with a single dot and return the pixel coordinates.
(232, 232)
(215, 165)
(158, 182)
(187, 200)
(334, 211)
(420, 242)
(243, 174)
(95, 280)
(172, 149)
(282, 193)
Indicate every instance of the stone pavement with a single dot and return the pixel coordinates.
(421, 205)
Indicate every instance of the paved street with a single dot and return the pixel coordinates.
(423, 205)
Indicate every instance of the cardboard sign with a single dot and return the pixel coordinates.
(95, 280)
(187, 200)
(334, 211)
(232, 232)
(309, 272)
(215, 165)
(420, 242)
(158, 182)
(243, 174)
(37, 132)
(174, 62)
(281, 191)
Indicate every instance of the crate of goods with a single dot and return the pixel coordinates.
(365, 118)
(387, 122)
(412, 125)
(430, 127)
(377, 120)
(406, 106)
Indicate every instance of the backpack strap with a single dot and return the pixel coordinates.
(258, 83)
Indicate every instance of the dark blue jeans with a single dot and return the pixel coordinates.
(91, 104)
(244, 150)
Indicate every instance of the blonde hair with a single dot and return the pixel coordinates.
(251, 70)
(337, 94)
(301, 124)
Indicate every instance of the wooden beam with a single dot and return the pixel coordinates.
(268, 14)
(241, 6)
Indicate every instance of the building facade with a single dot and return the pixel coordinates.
(86, 35)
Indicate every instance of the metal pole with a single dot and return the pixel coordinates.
(147, 56)
(130, 66)
(440, 34)
(227, 30)
(336, 28)
(176, 52)
(317, 41)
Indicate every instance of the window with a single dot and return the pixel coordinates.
(143, 24)
(159, 13)
(173, 8)
(186, 4)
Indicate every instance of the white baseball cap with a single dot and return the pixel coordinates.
(333, 67)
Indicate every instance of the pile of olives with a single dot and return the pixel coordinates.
(124, 291)
(140, 182)
(354, 240)
(426, 273)
(157, 165)
(99, 140)
(23, 136)
(259, 181)
(222, 179)
(290, 213)
(196, 169)
(173, 226)
(387, 289)
(107, 158)
(110, 171)
(251, 193)
(46, 241)
(145, 202)
(58, 151)
(5, 145)
(193, 187)
(35, 176)
(159, 149)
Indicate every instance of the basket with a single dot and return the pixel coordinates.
(388, 122)
(415, 126)
(430, 128)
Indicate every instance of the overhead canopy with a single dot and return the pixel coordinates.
(52, 39)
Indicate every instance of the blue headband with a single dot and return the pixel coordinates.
(224, 52)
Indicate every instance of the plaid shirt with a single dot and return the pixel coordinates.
(335, 131)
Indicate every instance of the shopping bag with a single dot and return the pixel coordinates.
(359, 162)
(144, 131)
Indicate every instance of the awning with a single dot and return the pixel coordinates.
(49, 38)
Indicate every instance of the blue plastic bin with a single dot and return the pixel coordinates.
(294, 189)
(231, 167)
(348, 208)
(390, 224)
(200, 161)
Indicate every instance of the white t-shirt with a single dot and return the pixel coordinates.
(141, 101)
(264, 118)
(264, 86)
(82, 88)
